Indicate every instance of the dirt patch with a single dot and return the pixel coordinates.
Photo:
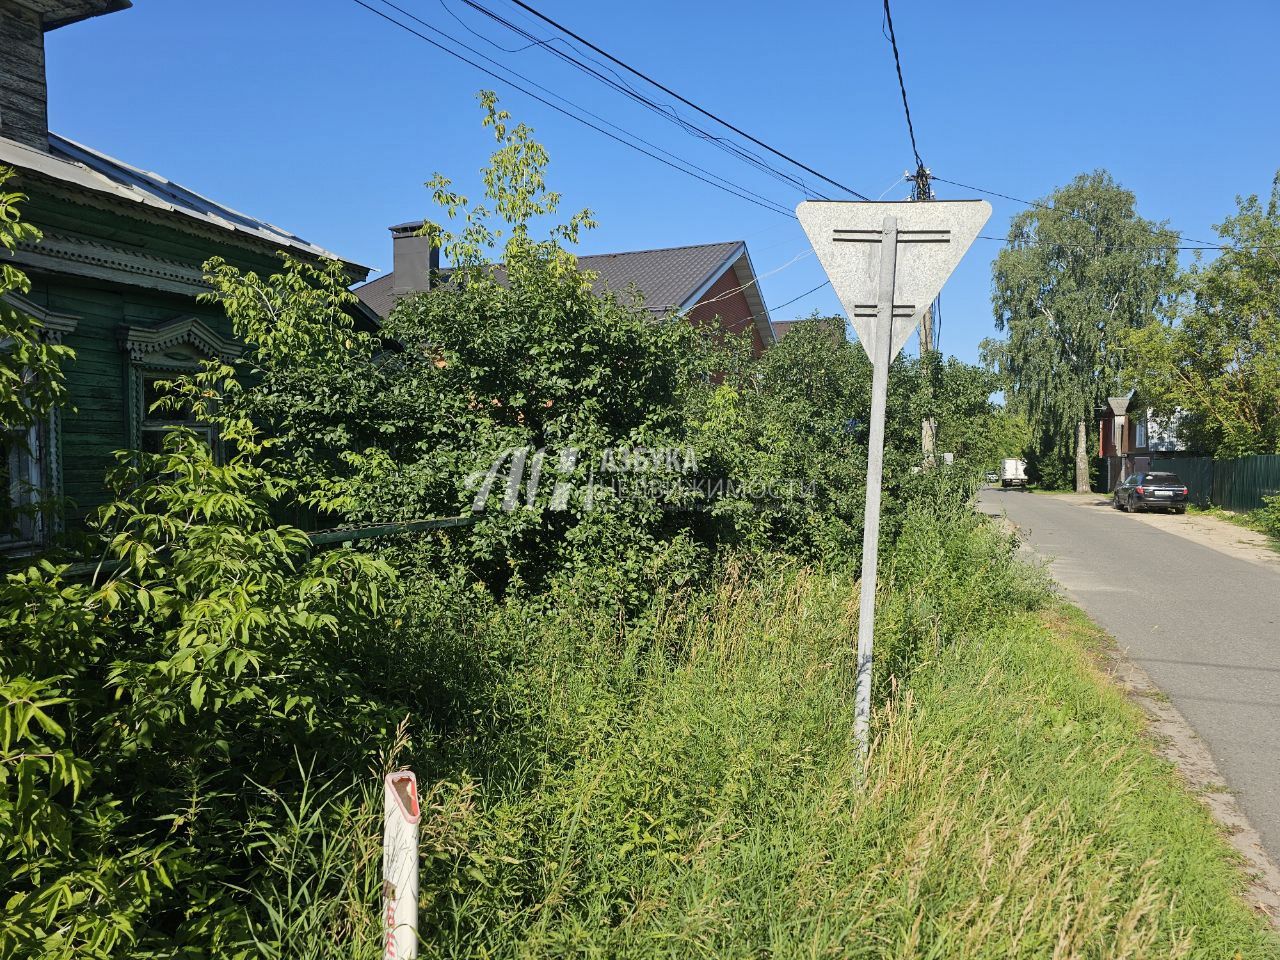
(1212, 532)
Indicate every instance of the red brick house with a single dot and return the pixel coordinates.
(1123, 441)
(711, 283)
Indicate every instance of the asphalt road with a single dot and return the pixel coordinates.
(1203, 623)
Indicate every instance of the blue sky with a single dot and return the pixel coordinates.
(322, 118)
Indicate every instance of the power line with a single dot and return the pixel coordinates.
(937, 323)
(722, 180)
(824, 283)
(893, 40)
(921, 189)
(617, 83)
(1194, 245)
(689, 103)
(751, 283)
(725, 185)
(1107, 249)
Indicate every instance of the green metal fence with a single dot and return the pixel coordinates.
(1237, 484)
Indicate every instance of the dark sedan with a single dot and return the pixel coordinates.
(1152, 491)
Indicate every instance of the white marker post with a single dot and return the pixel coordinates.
(887, 262)
(400, 866)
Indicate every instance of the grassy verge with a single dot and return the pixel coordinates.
(688, 786)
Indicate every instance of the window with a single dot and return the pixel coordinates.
(30, 468)
(156, 423)
(163, 353)
(21, 487)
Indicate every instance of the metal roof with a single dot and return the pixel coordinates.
(670, 278)
(77, 165)
(1120, 405)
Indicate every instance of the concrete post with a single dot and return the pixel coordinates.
(881, 354)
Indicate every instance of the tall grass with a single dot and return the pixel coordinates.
(688, 785)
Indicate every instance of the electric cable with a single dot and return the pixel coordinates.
(897, 62)
(618, 84)
(689, 103)
(734, 189)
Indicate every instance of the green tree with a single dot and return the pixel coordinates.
(31, 378)
(960, 401)
(1216, 365)
(1078, 271)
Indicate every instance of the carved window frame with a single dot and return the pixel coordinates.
(32, 468)
(164, 352)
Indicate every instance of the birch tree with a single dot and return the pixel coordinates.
(1080, 269)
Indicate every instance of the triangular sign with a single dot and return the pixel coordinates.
(932, 237)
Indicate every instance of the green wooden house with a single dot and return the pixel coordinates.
(116, 277)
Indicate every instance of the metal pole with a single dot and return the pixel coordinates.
(882, 349)
(400, 866)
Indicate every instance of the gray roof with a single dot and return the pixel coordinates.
(1120, 405)
(73, 163)
(377, 296)
(671, 278)
(668, 278)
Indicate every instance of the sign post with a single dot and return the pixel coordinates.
(887, 262)
(401, 814)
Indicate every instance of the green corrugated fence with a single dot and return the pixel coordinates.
(1238, 484)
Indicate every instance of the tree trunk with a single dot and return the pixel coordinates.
(1082, 457)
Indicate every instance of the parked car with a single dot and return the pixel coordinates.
(993, 477)
(1151, 491)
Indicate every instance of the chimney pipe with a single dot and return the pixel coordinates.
(414, 258)
(24, 98)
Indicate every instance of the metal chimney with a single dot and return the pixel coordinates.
(414, 258)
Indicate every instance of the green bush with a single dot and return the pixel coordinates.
(627, 708)
(140, 708)
(685, 782)
(1269, 516)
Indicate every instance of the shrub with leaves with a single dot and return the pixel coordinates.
(31, 379)
(513, 351)
(211, 648)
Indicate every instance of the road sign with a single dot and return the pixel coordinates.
(887, 262)
(932, 237)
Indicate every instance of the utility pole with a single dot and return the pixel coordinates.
(922, 189)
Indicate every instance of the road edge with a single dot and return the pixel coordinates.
(1174, 740)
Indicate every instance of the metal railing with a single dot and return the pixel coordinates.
(318, 538)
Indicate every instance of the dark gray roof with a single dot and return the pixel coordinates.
(376, 295)
(667, 279)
